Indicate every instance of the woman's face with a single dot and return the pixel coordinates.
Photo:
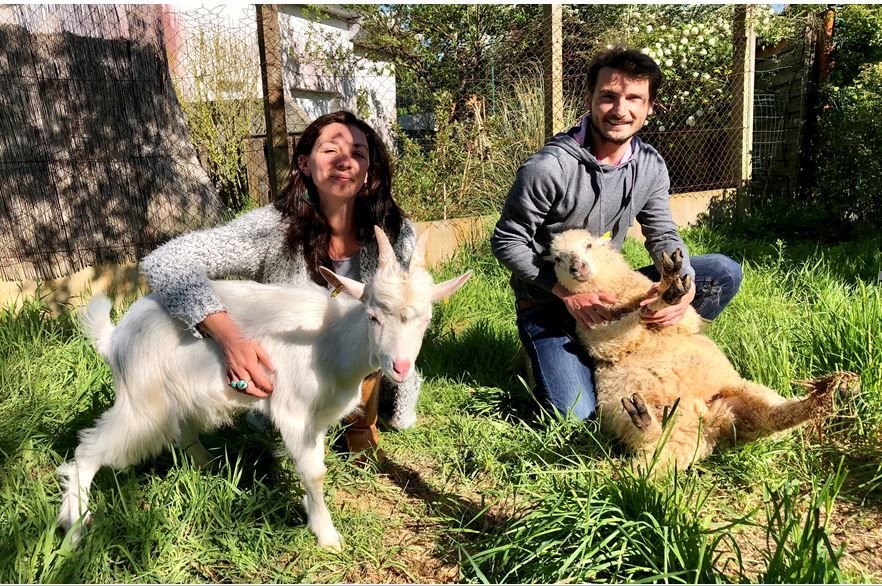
(338, 163)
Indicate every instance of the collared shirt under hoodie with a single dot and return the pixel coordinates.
(564, 186)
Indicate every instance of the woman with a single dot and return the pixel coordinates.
(339, 187)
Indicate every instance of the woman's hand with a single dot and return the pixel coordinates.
(589, 309)
(246, 360)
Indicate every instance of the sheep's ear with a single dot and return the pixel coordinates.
(387, 255)
(448, 288)
(604, 240)
(339, 282)
(418, 259)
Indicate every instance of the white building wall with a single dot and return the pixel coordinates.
(316, 82)
(325, 72)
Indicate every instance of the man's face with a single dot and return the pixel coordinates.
(619, 105)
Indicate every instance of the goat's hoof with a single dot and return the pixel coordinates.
(636, 409)
(330, 540)
(74, 531)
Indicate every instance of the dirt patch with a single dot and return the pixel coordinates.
(421, 509)
(412, 532)
(857, 528)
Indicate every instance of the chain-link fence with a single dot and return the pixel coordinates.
(124, 125)
(95, 161)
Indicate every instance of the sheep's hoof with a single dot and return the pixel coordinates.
(673, 285)
(672, 264)
(679, 287)
(843, 383)
(636, 409)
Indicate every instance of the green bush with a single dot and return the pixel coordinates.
(849, 167)
(471, 162)
(221, 102)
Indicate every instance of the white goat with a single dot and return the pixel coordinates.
(170, 384)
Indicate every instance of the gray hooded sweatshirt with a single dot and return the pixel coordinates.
(564, 186)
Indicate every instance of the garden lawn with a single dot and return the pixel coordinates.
(484, 488)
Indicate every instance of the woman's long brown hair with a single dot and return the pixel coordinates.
(308, 228)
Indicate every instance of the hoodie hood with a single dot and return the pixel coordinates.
(613, 213)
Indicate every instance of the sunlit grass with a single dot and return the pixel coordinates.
(485, 483)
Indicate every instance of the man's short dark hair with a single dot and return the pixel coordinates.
(631, 63)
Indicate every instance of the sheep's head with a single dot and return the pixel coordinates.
(576, 255)
(399, 306)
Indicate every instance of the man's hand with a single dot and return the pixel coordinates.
(589, 309)
(667, 316)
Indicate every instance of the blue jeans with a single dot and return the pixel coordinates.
(563, 370)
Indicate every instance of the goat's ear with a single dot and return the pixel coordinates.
(387, 255)
(351, 286)
(418, 259)
(448, 288)
(604, 240)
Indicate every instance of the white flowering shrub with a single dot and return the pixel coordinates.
(693, 125)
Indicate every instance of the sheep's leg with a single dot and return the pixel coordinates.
(190, 443)
(308, 452)
(760, 411)
(689, 434)
(120, 437)
(673, 286)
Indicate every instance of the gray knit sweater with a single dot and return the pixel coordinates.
(253, 247)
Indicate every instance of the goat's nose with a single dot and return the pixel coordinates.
(401, 367)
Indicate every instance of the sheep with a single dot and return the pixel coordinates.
(655, 382)
(170, 384)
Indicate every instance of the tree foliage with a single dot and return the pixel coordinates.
(850, 170)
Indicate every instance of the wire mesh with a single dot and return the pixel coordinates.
(124, 125)
(95, 162)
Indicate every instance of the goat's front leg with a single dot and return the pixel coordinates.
(308, 452)
(189, 442)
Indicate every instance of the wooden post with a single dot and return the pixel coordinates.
(743, 68)
(272, 79)
(552, 62)
(812, 140)
(824, 46)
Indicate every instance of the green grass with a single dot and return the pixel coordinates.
(485, 488)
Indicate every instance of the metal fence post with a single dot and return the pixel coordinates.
(743, 67)
(272, 79)
(552, 61)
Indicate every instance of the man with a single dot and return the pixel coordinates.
(598, 176)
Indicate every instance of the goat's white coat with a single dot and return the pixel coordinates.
(170, 384)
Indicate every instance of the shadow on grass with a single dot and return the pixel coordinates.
(486, 358)
(133, 515)
(852, 253)
(460, 511)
